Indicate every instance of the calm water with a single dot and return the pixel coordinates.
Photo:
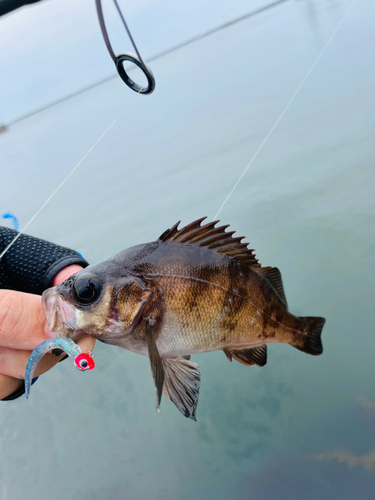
(301, 427)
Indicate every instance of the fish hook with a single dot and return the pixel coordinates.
(121, 58)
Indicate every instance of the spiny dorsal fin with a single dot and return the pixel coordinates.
(214, 238)
(250, 356)
(273, 275)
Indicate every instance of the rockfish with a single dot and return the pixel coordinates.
(195, 289)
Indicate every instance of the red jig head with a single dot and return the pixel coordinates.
(84, 362)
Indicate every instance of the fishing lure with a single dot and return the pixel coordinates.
(83, 361)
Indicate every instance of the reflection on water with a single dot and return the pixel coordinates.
(293, 429)
(343, 456)
(337, 473)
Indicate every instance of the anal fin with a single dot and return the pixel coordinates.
(181, 384)
(249, 356)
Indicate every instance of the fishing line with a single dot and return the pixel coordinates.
(66, 178)
(285, 109)
(105, 132)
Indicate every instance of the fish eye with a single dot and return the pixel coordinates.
(87, 289)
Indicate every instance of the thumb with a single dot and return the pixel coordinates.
(22, 320)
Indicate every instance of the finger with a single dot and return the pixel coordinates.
(8, 385)
(22, 320)
(87, 344)
(13, 361)
(65, 273)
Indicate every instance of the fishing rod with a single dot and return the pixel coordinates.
(120, 59)
(7, 6)
(154, 57)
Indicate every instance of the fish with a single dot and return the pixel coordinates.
(193, 290)
(83, 361)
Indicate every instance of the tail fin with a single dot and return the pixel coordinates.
(310, 341)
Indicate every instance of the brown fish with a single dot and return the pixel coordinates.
(195, 289)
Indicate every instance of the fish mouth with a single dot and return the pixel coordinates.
(59, 313)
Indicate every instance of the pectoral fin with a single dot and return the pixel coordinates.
(181, 385)
(155, 361)
(250, 356)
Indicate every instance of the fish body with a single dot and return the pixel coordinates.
(197, 289)
(206, 302)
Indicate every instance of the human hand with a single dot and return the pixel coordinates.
(22, 328)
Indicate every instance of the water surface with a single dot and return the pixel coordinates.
(302, 426)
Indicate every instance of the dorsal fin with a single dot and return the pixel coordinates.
(214, 238)
(273, 275)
